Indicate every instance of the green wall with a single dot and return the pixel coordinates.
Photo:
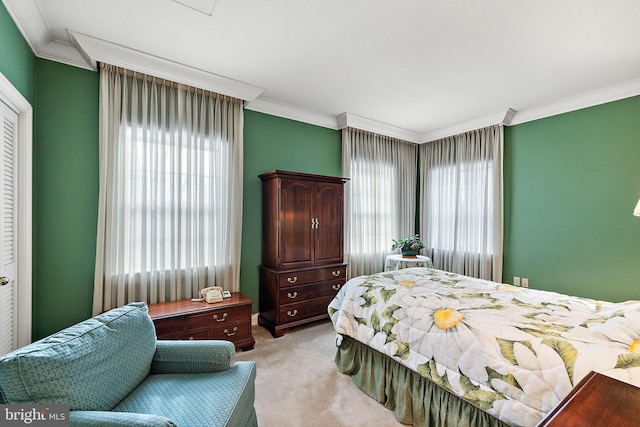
(66, 189)
(16, 58)
(275, 143)
(571, 183)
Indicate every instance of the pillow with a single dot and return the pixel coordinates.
(92, 365)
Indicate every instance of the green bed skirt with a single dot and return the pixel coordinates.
(412, 398)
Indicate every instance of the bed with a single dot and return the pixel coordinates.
(440, 348)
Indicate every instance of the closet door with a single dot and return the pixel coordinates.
(329, 213)
(8, 229)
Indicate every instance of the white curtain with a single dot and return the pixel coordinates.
(380, 197)
(170, 198)
(461, 193)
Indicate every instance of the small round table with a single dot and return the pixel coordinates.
(397, 261)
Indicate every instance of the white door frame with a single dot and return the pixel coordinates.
(14, 99)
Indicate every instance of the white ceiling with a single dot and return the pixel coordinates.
(416, 69)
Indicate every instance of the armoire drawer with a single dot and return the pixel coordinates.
(301, 277)
(304, 309)
(292, 294)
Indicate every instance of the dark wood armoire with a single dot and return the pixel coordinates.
(302, 248)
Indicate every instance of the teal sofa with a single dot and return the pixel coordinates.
(112, 371)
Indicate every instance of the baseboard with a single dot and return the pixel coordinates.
(254, 319)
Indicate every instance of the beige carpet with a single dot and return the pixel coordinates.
(298, 383)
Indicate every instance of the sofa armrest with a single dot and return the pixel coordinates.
(117, 419)
(181, 357)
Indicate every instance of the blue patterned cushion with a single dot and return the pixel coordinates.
(89, 366)
(198, 400)
(184, 357)
(117, 419)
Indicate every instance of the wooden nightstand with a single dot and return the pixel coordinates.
(228, 320)
(597, 401)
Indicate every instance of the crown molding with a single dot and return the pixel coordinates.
(590, 99)
(65, 53)
(28, 18)
(503, 117)
(287, 111)
(96, 50)
(363, 123)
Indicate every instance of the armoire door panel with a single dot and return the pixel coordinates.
(329, 214)
(295, 221)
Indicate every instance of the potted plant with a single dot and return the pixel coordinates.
(410, 246)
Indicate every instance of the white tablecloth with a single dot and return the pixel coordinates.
(397, 261)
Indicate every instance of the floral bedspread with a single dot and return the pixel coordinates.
(511, 351)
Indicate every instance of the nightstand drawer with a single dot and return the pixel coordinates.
(231, 332)
(201, 334)
(171, 326)
(218, 317)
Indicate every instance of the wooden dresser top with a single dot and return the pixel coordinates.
(172, 308)
(597, 400)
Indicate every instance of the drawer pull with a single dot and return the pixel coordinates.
(294, 280)
(230, 334)
(292, 295)
(335, 273)
(224, 317)
(292, 313)
(336, 287)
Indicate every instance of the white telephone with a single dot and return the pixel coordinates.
(211, 294)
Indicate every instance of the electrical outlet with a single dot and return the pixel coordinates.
(525, 282)
(516, 280)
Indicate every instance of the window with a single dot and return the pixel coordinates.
(461, 198)
(170, 190)
(472, 203)
(379, 197)
(374, 204)
(158, 168)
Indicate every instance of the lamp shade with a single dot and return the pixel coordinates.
(636, 211)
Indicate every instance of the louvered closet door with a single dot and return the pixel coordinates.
(8, 218)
